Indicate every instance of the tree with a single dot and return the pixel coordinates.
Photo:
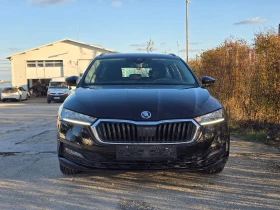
(150, 45)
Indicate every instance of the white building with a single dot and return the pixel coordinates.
(62, 58)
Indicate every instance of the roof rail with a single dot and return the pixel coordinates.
(173, 54)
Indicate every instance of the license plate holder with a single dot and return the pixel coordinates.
(56, 97)
(146, 153)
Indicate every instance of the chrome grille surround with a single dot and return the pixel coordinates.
(141, 133)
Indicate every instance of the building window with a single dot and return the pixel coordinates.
(31, 64)
(58, 64)
(46, 64)
(53, 63)
(40, 64)
(49, 64)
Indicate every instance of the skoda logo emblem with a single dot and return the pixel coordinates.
(146, 114)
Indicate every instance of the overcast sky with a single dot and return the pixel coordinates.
(126, 25)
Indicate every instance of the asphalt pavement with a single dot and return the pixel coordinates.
(30, 177)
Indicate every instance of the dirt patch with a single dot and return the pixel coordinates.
(270, 142)
(134, 205)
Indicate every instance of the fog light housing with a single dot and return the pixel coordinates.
(87, 142)
(215, 152)
(72, 152)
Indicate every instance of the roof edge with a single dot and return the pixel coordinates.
(62, 40)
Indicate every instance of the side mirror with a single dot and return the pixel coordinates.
(78, 80)
(69, 88)
(71, 81)
(207, 81)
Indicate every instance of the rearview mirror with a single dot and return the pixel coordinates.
(71, 81)
(207, 81)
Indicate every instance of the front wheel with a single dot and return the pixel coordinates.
(3, 100)
(214, 171)
(67, 171)
(19, 100)
(49, 101)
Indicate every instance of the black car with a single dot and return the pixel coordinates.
(141, 111)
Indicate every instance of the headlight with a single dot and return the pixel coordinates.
(60, 110)
(211, 118)
(77, 118)
(66, 93)
(48, 93)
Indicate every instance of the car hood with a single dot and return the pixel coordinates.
(129, 103)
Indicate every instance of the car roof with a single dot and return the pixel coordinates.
(138, 55)
(58, 79)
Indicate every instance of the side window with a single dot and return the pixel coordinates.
(90, 77)
(20, 88)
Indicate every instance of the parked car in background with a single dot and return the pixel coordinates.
(141, 111)
(14, 93)
(58, 90)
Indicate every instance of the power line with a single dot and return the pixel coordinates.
(187, 29)
(77, 33)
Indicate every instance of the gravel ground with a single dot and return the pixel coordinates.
(30, 176)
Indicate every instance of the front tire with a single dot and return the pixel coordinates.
(67, 171)
(19, 100)
(214, 171)
(3, 100)
(48, 101)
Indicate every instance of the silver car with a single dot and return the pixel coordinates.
(14, 93)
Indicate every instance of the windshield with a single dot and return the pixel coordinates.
(58, 85)
(9, 90)
(125, 71)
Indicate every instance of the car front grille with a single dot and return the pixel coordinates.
(133, 132)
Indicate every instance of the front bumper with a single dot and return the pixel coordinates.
(77, 149)
(58, 98)
(145, 166)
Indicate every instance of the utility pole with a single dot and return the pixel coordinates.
(279, 30)
(178, 47)
(77, 33)
(187, 29)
